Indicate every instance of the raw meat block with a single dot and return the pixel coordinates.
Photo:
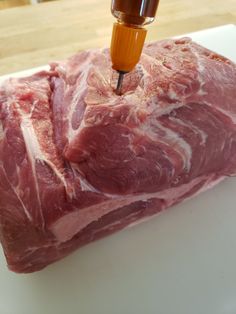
(78, 162)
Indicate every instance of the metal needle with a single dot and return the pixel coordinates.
(119, 83)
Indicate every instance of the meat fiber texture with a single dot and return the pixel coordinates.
(78, 162)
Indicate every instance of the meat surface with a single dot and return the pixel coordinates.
(78, 162)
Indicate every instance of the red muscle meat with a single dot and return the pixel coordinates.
(78, 162)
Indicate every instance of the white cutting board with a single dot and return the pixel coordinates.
(180, 262)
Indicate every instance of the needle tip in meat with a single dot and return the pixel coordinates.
(118, 90)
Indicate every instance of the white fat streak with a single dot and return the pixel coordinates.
(172, 94)
(30, 250)
(79, 91)
(155, 107)
(153, 136)
(33, 150)
(15, 190)
(85, 68)
(208, 185)
(72, 133)
(152, 61)
(86, 186)
(164, 110)
(176, 139)
(1, 132)
(192, 127)
(201, 70)
(82, 218)
(145, 219)
(230, 115)
(75, 132)
(132, 216)
(35, 153)
(201, 92)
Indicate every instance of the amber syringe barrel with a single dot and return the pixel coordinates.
(128, 35)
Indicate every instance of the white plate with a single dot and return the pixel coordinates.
(181, 262)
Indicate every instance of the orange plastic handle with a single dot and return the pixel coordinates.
(126, 46)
